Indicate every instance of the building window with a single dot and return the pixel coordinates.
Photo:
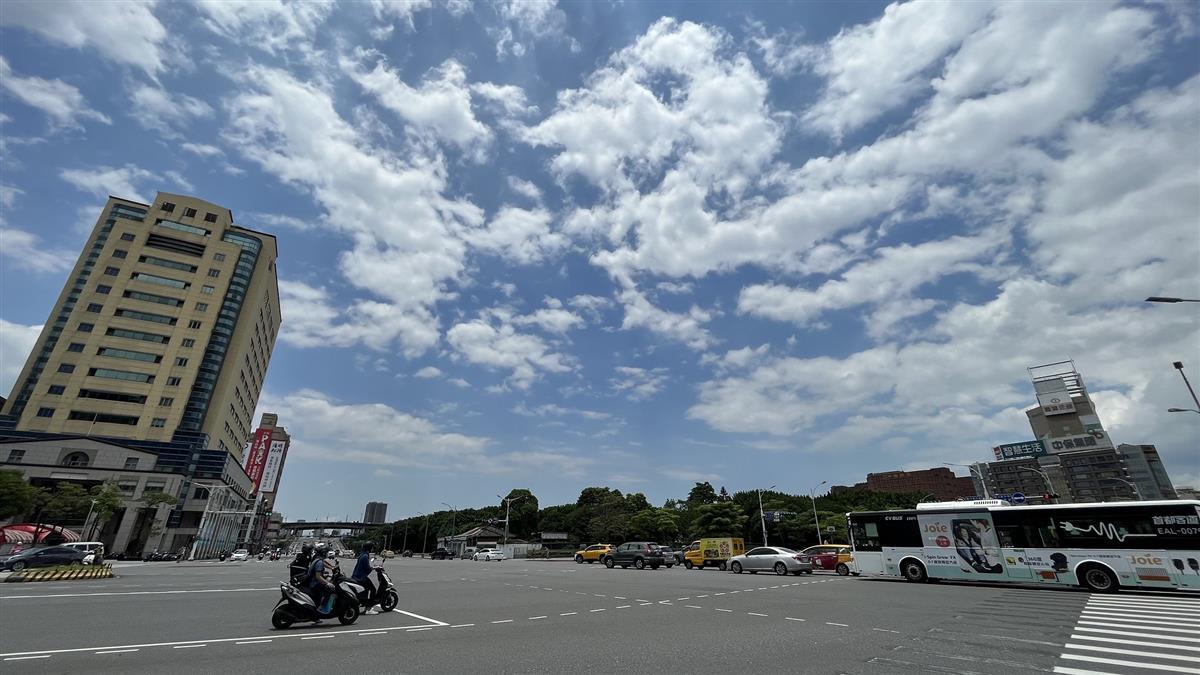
(201, 306)
(127, 354)
(189, 213)
(86, 327)
(155, 486)
(127, 236)
(112, 271)
(56, 390)
(120, 253)
(207, 290)
(194, 325)
(128, 486)
(168, 207)
(161, 281)
(210, 217)
(219, 257)
(76, 459)
(131, 464)
(158, 423)
(66, 367)
(16, 455)
(45, 412)
(146, 316)
(121, 375)
(173, 381)
(166, 401)
(75, 347)
(214, 272)
(200, 493)
(137, 335)
(94, 307)
(103, 418)
(103, 290)
(188, 343)
(180, 361)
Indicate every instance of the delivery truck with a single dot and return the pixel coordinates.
(712, 552)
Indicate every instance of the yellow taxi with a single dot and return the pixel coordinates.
(592, 553)
(835, 557)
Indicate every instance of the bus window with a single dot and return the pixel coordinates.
(1024, 529)
(896, 530)
(866, 535)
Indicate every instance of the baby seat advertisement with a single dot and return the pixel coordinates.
(960, 545)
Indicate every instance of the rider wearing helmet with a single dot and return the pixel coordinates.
(298, 568)
(320, 574)
(362, 575)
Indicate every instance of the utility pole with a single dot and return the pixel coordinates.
(816, 519)
(1179, 366)
(508, 510)
(762, 517)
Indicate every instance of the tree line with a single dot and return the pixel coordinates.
(606, 515)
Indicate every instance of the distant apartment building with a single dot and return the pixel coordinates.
(940, 482)
(1147, 471)
(376, 513)
(164, 329)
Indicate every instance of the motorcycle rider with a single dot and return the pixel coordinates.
(362, 576)
(320, 574)
(298, 568)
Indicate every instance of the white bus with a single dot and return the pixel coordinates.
(1102, 547)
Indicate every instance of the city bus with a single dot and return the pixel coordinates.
(1102, 547)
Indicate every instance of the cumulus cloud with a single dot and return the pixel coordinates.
(523, 236)
(168, 113)
(104, 181)
(24, 250)
(61, 102)
(638, 384)
(503, 348)
(124, 32)
(428, 373)
(16, 342)
(269, 25)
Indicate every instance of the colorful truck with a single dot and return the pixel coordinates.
(712, 552)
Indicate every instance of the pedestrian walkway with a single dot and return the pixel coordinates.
(1134, 634)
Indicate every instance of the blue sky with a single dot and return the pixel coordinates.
(642, 244)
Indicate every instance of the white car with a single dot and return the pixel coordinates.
(488, 554)
(240, 554)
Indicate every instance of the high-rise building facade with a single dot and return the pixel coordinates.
(1147, 471)
(376, 513)
(162, 332)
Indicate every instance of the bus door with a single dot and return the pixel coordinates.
(1012, 547)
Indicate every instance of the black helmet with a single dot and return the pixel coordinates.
(368, 547)
(320, 550)
(307, 549)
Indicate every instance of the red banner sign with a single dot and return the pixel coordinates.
(256, 461)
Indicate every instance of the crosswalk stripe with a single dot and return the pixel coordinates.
(1139, 643)
(1186, 604)
(1132, 652)
(1161, 620)
(1132, 664)
(1125, 625)
(1190, 616)
(1080, 671)
(1106, 631)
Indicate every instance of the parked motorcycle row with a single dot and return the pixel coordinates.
(350, 600)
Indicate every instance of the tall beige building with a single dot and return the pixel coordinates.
(162, 332)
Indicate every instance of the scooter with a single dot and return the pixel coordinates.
(296, 606)
(385, 593)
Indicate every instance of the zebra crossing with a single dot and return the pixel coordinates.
(1134, 634)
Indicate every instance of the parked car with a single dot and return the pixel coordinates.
(640, 554)
(670, 556)
(93, 550)
(407, 553)
(468, 553)
(593, 553)
(835, 557)
(775, 559)
(43, 556)
(487, 554)
(240, 554)
(387, 554)
(442, 553)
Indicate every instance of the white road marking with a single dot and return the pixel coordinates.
(415, 630)
(702, 596)
(682, 599)
(885, 630)
(318, 637)
(535, 618)
(1161, 620)
(422, 618)
(242, 642)
(110, 593)
(715, 594)
(378, 632)
(624, 606)
(1139, 643)
(122, 651)
(1131, 652)
(1125, 625)
(755, 614)
(723, 610)
(830, 623)
(693, 606)
(619, 597)
(1125, 632)
(568, 614)
(189, 646)
(1079, 671)
(503, 621)
(597, 610)
(462, 625)
(26, 658)
(1132, 664)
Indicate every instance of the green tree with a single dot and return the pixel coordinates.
(523, 519)
(68, 503)
(657, 525)
(16, 496)
(636, 502)
(723, 519)
(702, 494)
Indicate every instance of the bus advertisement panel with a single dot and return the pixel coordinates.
(960, 545)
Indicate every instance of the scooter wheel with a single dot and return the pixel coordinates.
(389, 601)
(280, 620)
(349, 614)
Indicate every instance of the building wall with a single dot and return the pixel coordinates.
(1067, 424)
(940, 482)
(1087, 475)
(375, 513)
(142, 309)
(1147, 470)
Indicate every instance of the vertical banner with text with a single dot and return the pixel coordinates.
(256, 461)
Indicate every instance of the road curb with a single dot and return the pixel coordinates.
(57, 574)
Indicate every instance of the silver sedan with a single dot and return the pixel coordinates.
(771, 559)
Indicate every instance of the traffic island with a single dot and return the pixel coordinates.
(74, 573)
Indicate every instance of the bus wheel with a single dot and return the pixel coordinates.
(1098, 579)
(913, 571)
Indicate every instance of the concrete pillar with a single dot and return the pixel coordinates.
(125, 529)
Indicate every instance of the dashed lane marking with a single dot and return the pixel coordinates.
(843, 625)
(378, 632)
(598, 610)
(568, 614)
(242, 642)
(624, 606)
(26, 658)
(503, 621)
(755, 614)
(316, 637)
(189, 646)
(417, 630)
(122, 651)
(462, 625)
(693, 606)
(792, 618)
(723, 610)
(885, 630)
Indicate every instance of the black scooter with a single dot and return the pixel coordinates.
(296, 606)
(385, 593)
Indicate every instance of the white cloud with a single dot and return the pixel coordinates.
(525, 188)
(23, 251)
(593, 304)
(60, 101)
(638, 384)
(459, 382)
(689, 475)
(674, 287)
(124, 31)
(554, 410)
(686, 328)
(441, 105)
(509, 98)
(403, 255)
(551, 319)
(168, 113)
(399, 10)
(8, 194)
(535, 19)
(315, 320)
(104, 181)
(270, 25)
(202, 149)
(276, 221)
(428, 373)
(16, 342)
(525, 356)
(523, 236)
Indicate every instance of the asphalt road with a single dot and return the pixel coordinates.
(551, 617)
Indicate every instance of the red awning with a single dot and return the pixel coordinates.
(43, 532)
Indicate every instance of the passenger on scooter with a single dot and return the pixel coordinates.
(298, 569)
(320, 574)
(362, 576)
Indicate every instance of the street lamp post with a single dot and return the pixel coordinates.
(425, 537)
(1045, 478)
(1136, 492)
(453, 521)
(982, 482)
(762, 517)
(87, 521)
(816, 519)
(1157, 298)
(508, 510)
(1179, 366)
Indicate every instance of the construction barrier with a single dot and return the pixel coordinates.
(63, 574)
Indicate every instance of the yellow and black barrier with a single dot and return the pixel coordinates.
(63, 573)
